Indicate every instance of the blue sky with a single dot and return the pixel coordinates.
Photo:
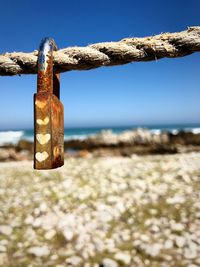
(160, 92)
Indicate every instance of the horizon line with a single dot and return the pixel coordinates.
(113, 126)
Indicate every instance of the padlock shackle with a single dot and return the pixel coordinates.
(47, 43)
(47, 81)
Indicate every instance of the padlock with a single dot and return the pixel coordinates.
(48, 112)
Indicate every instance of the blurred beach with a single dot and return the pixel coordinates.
(126, 197)
(106, 211)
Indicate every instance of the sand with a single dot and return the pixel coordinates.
(136, 211)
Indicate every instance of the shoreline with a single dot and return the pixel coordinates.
(140, 141)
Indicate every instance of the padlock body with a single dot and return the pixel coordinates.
(49, 131)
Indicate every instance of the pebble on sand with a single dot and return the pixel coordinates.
(39, 251)
(109, 263)
(6, 229)
(123, 256)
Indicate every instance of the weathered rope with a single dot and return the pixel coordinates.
(107, 54)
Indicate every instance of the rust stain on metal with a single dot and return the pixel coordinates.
(48, 112)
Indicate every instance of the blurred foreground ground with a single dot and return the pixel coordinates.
(95, 212)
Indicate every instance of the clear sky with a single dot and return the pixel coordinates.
(162, 92)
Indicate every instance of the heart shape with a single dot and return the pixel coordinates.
(40, 104)
(41, 156)
(43, 138)
(45, 121)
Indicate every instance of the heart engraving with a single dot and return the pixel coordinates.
(43, 138)
(41, 156)
(40, 104)
(45, 121)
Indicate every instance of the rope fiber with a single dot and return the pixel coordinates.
(127, 50)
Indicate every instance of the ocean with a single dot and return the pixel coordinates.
(13, 136)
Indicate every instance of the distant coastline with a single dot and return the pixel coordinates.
(81, 133)
(116, 141)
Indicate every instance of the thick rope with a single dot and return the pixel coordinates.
(127, 50)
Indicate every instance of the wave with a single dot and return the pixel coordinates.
(159, 131)
(10, 137)
(175, 131)
(193, 130)
(76, 137)
(156, 131)
(13, 137)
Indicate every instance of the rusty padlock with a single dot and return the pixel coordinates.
(48, 112)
